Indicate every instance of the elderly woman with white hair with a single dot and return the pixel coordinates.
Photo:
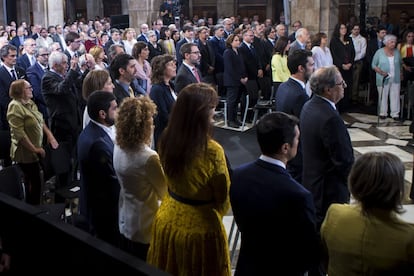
(387, 66)
(154, 47)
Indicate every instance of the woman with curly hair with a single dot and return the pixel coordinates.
(139, 173)
(188, 235)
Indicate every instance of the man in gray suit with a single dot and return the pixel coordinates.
(302, 37)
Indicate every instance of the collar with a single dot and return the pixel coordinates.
(273, 161)
(109, 130)
(9, 68)
(248, 44)
(329, 101)
(41, 66)
(125, 86)
(299, 81)
(188, 66)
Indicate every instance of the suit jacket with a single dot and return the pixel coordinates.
(180, 43)
(218, 46)
(251, 61)
(327, 154)
(233, 68)
(267, 56)
(276, 218)
(290, 98)
(207, 58)
(372, 47)
(161, 95)
(184, 77)
(5, 81)
(16, 42)
(34, 76)
(23, 62)
(294, 46)
(99, 185)
(62, 103)
(120, 93)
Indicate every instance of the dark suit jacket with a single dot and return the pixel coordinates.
(161, 95)
(233, 68)
(34, 75)
(120, 93)
(177, 51)
(99, 185)
(207, 58)
(62, 103)
(5, 81)
(184, 77)
(23, 62)
(267, 56)
(276, 218)
(251, 61)
(327, 154)
(290, 98)
(218, 47)
(16, 42)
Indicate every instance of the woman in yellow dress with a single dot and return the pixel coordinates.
(188, 234)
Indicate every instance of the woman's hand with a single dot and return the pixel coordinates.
(53, 143)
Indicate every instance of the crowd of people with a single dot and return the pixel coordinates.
(134, 113)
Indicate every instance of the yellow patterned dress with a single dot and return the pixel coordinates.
(189, 238)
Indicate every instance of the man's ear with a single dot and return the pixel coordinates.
(285, 148)
(102, 114)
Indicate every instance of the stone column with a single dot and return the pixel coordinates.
(55, 13)
(142, 12)
(94, 8)
(23, 12)
(125, 6)
(226, 8)
(39, 8)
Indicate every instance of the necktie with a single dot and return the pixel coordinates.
(131, 92)
(196, 74)
(13, 74)
(32, 60)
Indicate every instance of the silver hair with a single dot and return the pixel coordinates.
(324, 77)
(389, 37)
(57, 58)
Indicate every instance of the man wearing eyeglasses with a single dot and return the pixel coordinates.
(34, 75)
(326, 145)
(188, 72)
(28, 59)
(296, 26)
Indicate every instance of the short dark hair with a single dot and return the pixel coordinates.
(137, 48)
(99, 100)
(186, 49)
(376, 180)
(120, 61)
(4, 51)
(275, 129)
(70, 37)
(297, 58)
(230, 40)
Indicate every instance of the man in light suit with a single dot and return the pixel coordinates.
(291, 96)
(302, 37)
(188, 72)
(274, 213)
(99, 185)
(326, 145)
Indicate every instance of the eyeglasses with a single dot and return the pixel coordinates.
(196, 52)
(342, 83)
(44, 55)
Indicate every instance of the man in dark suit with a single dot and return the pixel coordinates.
(123, 73)
(62, 101)
(207, 60)
(99, 185)
(291, 96)
(274, 213)
(326, 146)
(296, 25)
(188, 32)
(34, 76)
(268, 43)
(218, 46)
(8, 73)
(18, 40)
(188, 72)
(253, 68)
(73, 42)
(27, 59)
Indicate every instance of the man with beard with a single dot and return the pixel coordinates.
(291, 96)
(188, 72)
(99, 185)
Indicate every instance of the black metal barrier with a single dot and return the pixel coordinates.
(39, 243)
